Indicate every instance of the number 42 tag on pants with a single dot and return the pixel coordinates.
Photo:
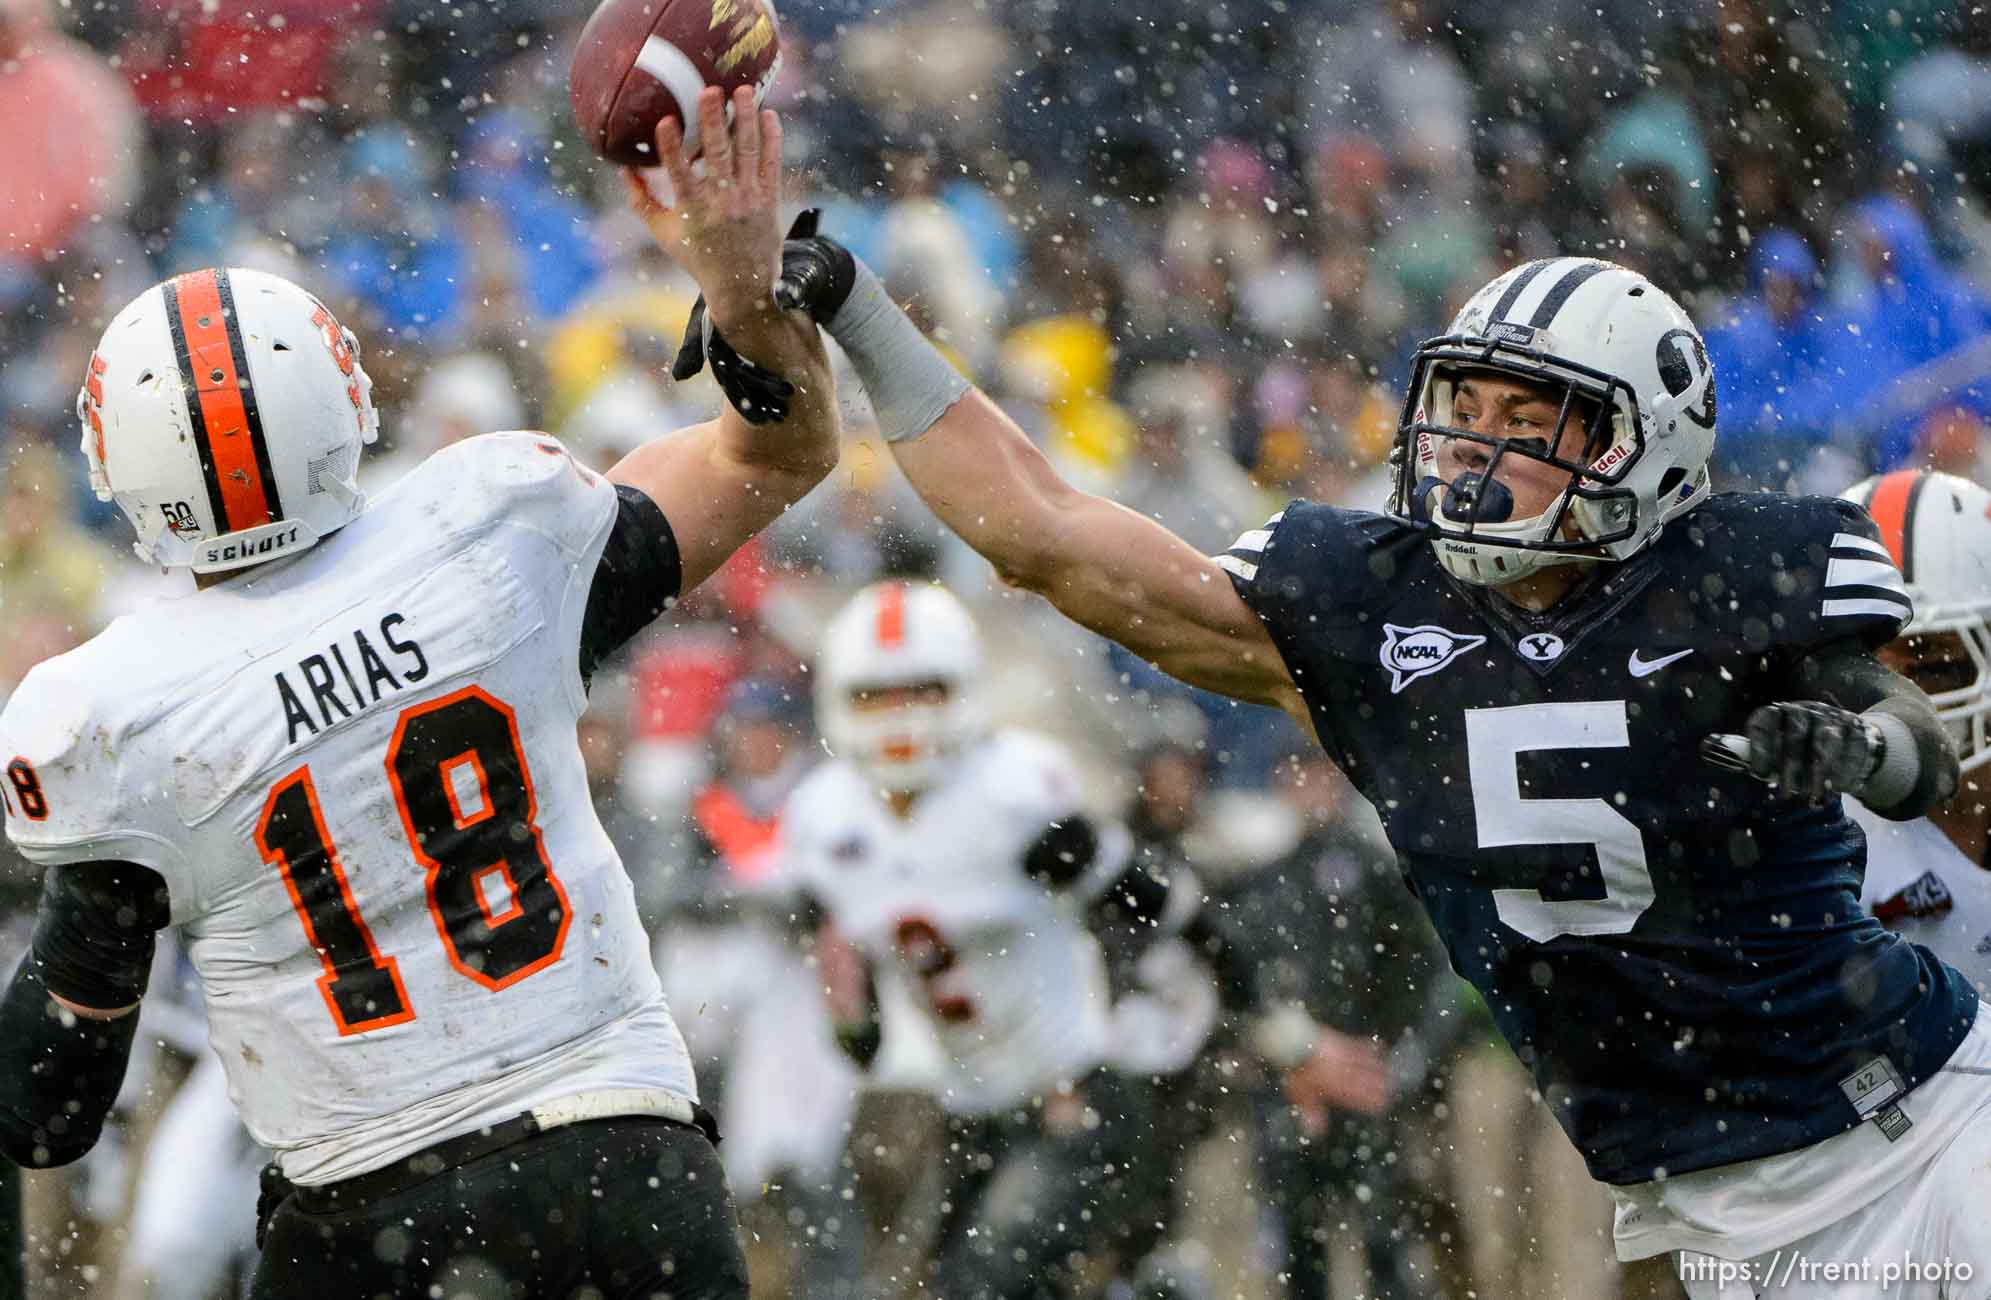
(1873, 1090)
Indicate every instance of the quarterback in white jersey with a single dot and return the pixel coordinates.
(346, 768)
(1928, 878)
(357, 769)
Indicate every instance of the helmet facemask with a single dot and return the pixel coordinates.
(1477, 537)
(901, 745)
(1948, 655)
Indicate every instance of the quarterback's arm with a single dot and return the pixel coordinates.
(1072, 856)
(720, 482)
(1104, 566)
(66, 1016)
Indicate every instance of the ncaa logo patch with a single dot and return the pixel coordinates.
(1413, 652)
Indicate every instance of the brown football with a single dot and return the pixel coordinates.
(640, 61)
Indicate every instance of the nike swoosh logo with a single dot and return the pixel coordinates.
(1647, 667)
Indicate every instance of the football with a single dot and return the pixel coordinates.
(640, 61)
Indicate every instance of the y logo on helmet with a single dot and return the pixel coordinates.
(342, 354)
(1683, 362)
(1413, 652)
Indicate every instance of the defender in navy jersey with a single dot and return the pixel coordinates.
(1527, 664)
(1677, 954)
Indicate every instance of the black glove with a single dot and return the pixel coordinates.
(1811, 750)
(758, 394)
(816, 276)
(270, 1196)
(817, 273)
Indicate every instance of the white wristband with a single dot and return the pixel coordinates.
(1900, 763)
(909, 383)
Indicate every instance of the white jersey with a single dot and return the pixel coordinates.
(357, 772)
(1001, 967)
(1922, 887)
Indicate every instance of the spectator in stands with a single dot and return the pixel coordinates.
(395, 251)
(52, 572)
(72, 135)
(1769, 348)
(1182, 470)
(503, 172)
(1902, 349)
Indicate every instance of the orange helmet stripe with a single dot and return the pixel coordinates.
(221, 401)
(1893, 509)
(892, 615)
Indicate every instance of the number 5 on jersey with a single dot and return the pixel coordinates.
(1505, 818)
(465, 795)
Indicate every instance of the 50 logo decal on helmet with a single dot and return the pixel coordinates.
(1413, 652)
(460, 781)
(180, 519)
(337, 342)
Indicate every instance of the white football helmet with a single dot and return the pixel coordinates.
(1604, 338)
(1938, 529)
(224, 412)
(896, 634)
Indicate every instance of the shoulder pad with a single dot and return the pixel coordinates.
(1800, 571)
(66, 795)
(525, 479)
(1320, 563)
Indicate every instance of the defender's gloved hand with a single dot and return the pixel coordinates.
(758, 394)
(1811, 750)
(817, 273)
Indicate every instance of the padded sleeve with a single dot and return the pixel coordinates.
(637, 578)
(94, 934)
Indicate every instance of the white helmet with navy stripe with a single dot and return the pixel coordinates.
(1622, 353)
(1937, 530)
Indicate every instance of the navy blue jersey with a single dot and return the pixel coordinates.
(1676, 951)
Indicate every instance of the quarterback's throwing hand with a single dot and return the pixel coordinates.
(1811, 750)
(724, 221)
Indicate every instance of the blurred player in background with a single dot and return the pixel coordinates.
(1930, 879)
(1336, 932)
(960, 863)
(346, 768)
(1521, 666)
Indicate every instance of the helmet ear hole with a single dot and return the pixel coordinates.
(1671, 479)
(278, 345)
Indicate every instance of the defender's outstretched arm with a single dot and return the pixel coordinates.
(1104, 566)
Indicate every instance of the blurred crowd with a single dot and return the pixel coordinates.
(1188, 246)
